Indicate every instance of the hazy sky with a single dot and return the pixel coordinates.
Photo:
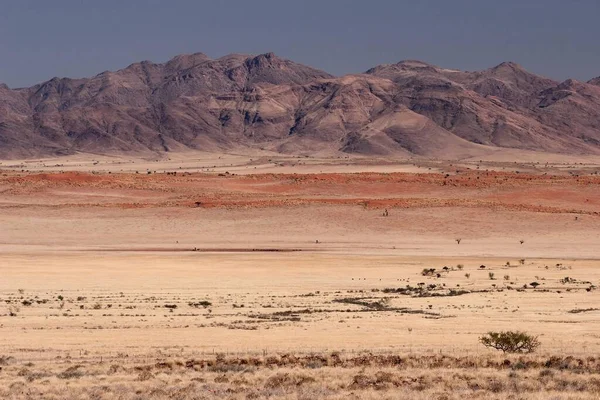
(42, 39)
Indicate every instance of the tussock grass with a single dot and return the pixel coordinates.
(311, 376)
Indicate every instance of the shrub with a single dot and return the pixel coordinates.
(202, 303)
(73, 372)
(282, 380)
(510, 341)
(13, 310)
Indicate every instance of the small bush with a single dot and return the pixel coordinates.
(510, 341)
(283, 380)
(73, 372)
(202, 303)
(13, 311)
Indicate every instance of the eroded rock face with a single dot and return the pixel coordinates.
(240, 101)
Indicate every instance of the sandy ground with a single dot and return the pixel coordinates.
(259, 162)
(97, 265)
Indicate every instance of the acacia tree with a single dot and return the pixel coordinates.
(510, 341)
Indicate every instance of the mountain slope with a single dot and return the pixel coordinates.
(244, 102)
(501, 106)
(595, 81)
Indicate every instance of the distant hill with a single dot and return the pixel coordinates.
(245, 102)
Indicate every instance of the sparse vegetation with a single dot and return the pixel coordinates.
(329, 376)
(566, 280)
(129, 312)
(583, 310)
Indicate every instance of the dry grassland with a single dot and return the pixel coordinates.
(299, 285)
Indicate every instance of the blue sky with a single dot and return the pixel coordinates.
(42, 39)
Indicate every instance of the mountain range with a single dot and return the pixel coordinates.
(241, 102)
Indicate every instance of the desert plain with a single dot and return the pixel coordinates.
(220, 276)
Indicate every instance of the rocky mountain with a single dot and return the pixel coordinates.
(595, 81)
(241, 102)
(502, 106)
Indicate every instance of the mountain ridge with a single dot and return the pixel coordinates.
(267, 102)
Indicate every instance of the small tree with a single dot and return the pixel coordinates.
(510, 341)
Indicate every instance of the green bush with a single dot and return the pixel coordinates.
(510, 341)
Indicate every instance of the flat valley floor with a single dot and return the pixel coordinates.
(230, 277)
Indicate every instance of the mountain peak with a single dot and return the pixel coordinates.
(595, 81)
(189, 57)
(414, 63)
(272, 69)
(268, 56)
(507, 67)
(410, 66)
(185, 61)
(509, 71)
(508, 64)
(263, 59)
